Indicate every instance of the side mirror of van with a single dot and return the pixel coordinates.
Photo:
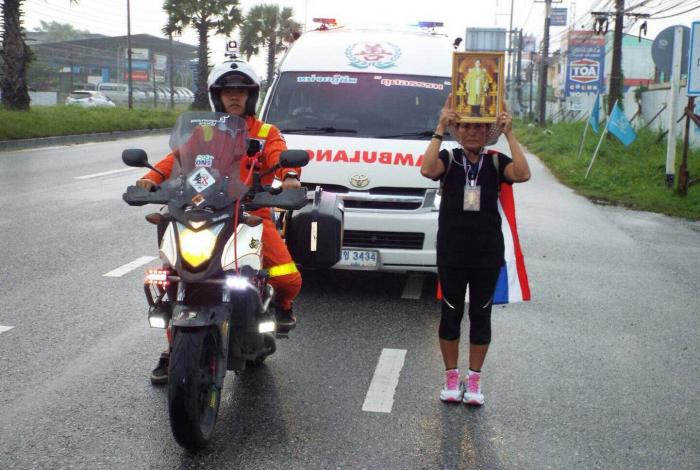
(135, 157)
(293, 158)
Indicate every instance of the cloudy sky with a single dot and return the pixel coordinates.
(109, 16)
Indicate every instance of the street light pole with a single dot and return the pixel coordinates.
(128, 52)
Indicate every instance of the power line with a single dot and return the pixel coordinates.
(677, 14)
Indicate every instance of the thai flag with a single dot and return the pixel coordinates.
(512, 285)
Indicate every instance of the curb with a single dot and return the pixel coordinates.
(21, 144)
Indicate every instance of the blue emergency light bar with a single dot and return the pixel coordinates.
(430, 24)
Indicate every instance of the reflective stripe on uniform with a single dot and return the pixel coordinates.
(264, 130)
(282, 269)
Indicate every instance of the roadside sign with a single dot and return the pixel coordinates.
(558, 17)
(585, 58)
(694, 62)
(662, 50)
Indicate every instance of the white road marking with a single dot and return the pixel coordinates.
(414, 286)
(5, 328)
(380, 396)
(104, 173)
(120, 271)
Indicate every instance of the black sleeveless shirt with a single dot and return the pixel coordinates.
(469, 238)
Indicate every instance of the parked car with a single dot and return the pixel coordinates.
(89, 98)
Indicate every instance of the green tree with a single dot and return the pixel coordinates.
(57, 32)
(268, 26)
(15, 57)
(222, 16)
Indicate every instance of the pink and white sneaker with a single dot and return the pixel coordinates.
(452, 391)
(472, 386)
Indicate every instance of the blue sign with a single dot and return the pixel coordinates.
(557, 17)
(585, 69)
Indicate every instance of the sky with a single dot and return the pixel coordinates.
(109, 17)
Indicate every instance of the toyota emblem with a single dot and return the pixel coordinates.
(359, 181)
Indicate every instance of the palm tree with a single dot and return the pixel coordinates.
(203, 15)
(14, 57)
(268, 26)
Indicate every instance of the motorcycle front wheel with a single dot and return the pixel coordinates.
(193, 396)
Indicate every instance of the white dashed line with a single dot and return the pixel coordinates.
(120, 271)
(104, 173)
(414, 286)
(5, 328)
(380, 396)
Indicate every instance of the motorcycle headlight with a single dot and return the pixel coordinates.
(197, 246)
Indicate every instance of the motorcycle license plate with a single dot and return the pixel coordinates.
(359, 258)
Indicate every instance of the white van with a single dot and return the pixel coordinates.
(364, 104)
(119, 92)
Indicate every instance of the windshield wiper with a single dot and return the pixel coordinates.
(410, 134)
(325, 130)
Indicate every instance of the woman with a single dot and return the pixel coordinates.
(470, 246)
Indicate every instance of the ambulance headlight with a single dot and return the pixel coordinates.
(433, 200)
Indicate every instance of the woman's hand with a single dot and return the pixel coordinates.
(505, 121)
(448, 116)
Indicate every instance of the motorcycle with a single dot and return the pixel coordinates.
(211, 293)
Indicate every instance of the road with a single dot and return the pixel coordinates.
(600, 370)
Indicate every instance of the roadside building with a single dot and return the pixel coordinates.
(86, 63)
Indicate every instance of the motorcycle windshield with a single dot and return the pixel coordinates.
(208, 149)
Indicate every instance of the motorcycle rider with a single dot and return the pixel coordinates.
(234, 88)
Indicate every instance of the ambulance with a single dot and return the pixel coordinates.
(364, 104)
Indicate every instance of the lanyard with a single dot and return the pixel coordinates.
(467, 168)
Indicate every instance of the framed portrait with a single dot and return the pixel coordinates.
(478, 85)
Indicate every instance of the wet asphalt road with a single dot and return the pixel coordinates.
(600, 370)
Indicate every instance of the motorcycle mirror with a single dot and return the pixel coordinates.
(135, 157)
(293, 158)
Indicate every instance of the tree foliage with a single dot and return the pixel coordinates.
(219, 16)
(268, 26)
(15, 56)
(57, 32)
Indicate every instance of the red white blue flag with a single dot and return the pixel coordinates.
(512, 285)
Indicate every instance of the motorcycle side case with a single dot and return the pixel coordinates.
(315, 233)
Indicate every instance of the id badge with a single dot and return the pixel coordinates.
(472, 198)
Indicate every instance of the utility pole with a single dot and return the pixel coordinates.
(171, 71)
(616, 82)
(128, 53)
(510, 57)
(615, 93)
(532, 72)
(519, 70)
(544, 65)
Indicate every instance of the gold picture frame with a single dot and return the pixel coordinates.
(478, 85)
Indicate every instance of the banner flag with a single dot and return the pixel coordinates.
(620, 127)
(594, 118)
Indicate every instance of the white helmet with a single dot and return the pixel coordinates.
(233, 74)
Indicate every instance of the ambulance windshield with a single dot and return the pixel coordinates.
(358, 104)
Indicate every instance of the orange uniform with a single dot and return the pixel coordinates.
(284, 276)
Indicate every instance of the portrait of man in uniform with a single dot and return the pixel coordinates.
(477, 85)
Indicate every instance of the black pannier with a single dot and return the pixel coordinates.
(314, 235)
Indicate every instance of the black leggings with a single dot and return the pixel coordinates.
(482, 284)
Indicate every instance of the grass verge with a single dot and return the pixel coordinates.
(70, 120)
(631, 176)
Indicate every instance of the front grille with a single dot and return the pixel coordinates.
(380, 198)
(365, 239)
(381, 205)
